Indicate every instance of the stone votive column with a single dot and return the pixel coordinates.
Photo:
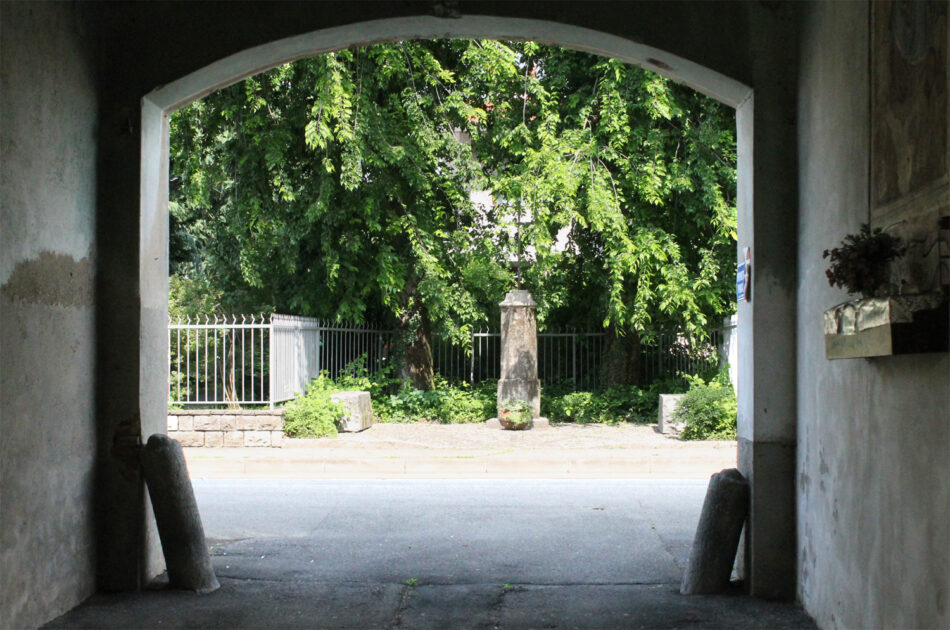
(519, 351)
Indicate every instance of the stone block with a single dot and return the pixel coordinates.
(214, 439)
(541, 423)
(172, 423)
(276, 438)
(227, 423)
(234, 438)
(271, 422)
(190, 438)
(668, 405)
(257, 438)
(359, 410)
(262, 422)
(186, 423)
(207, 423)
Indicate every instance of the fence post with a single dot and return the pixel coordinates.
(272, 351)
(471, 363)
(574, 358)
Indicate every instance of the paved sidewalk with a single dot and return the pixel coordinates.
(437, 451)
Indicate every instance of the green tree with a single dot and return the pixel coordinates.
(637, 171)
(338, 187)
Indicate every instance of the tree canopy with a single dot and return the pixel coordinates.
(339, 186)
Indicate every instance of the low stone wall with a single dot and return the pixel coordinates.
(226, 427)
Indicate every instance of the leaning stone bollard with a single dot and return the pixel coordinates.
(717, 536)
(176, 512)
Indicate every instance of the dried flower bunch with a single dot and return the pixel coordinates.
(860, 263)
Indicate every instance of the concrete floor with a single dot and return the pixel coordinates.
(443, 554)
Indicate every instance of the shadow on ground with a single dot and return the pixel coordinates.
(446, 554)
(304, 604)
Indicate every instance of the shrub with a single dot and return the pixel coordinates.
(619, 403)
(356, 377)
(314, 415)
(580, 407)
(464, 403)
(447, 403)
(708, 410)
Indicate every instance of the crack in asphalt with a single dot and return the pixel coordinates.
(515, 586)
(403, 605)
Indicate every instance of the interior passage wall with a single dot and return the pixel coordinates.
(48, 118)
(873, 435)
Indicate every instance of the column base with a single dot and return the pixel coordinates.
(521, 389)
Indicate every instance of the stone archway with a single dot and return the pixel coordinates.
(767, 213)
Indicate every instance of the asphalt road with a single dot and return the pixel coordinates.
(443, 554)
(459, 532)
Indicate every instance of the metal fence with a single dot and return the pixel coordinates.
(575, 357)
(303, 347)
(672, 354)
(255, 360)
(563, 356)
(218, 361)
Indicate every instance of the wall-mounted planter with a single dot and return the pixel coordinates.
(875, 327)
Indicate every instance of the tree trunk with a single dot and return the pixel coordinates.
(419, 355)
(416, 329)
(622, 358)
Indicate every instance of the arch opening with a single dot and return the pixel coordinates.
(157, 105)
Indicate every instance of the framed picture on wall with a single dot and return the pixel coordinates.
(910, 139)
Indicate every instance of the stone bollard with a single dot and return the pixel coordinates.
(725, 508)
(176, 512)
(519, 351)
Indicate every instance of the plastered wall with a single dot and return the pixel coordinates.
(47, 343)
(873, 482)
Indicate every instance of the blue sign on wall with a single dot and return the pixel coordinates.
(740, 281)
(744, 278)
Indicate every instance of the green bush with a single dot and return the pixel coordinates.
(620, 403)
(573, 407)
(708, 410)
(356, 377)
(464, 403)
(447, 403)
(314, 415)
